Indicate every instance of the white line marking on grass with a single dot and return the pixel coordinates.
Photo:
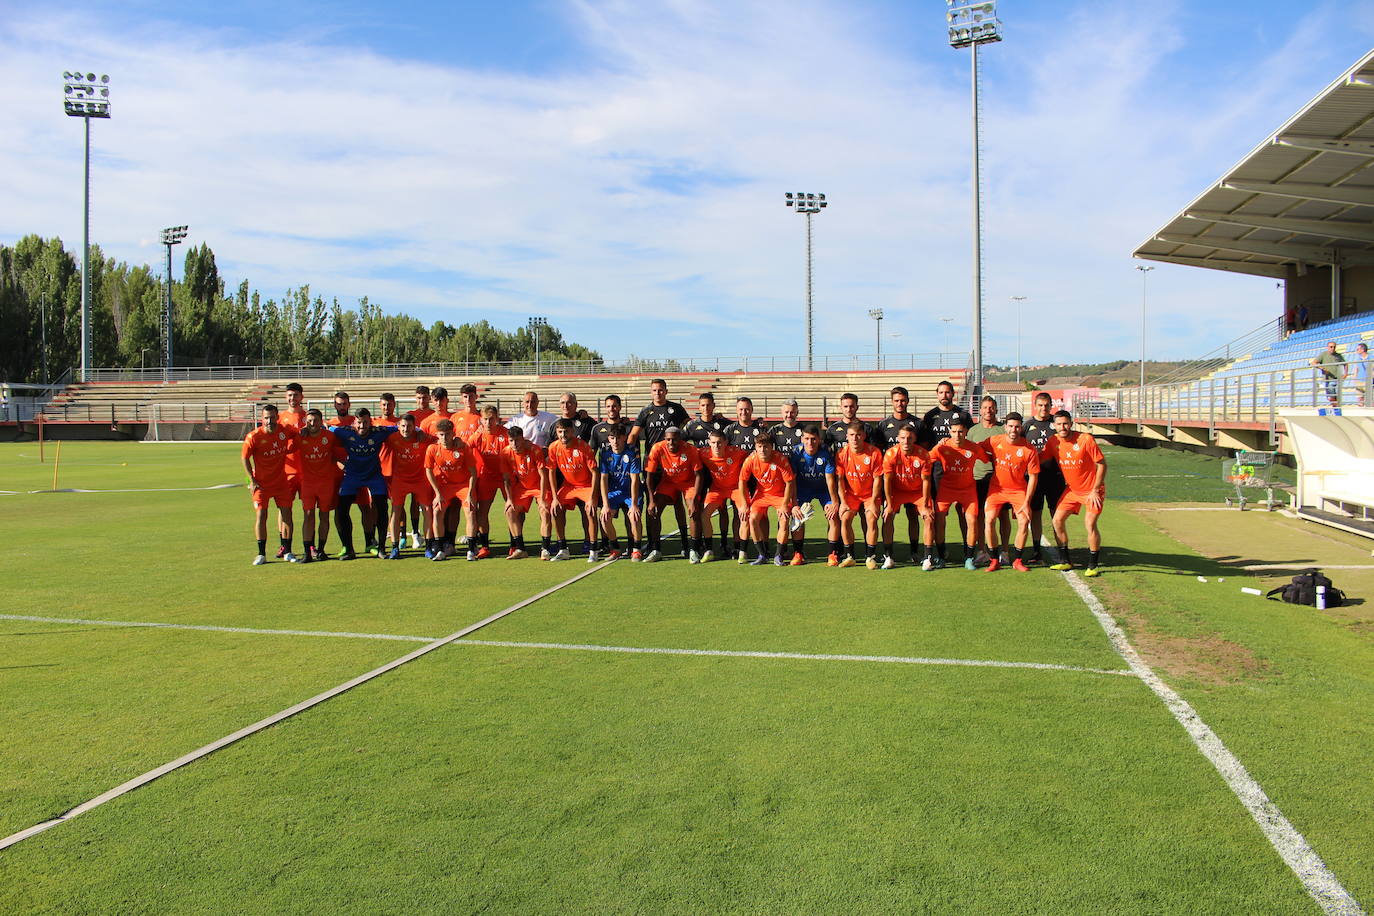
(1307, 566)
(1188, 509)
(804, 656)
(218, 486)
(214, 629)
(144, 779)
(1319, 880)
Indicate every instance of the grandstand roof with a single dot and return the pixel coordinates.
(1304, 196)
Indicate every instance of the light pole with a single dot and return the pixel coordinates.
(810, 204)
(945, 351)
(142, 353)
(877, 316)
(84, 97)
(536, 326)
(1018, 300)
(170, 237)
(971, 25)
(1144, 274)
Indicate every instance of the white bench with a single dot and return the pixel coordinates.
(1355, 505)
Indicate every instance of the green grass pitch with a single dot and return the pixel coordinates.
(537, 766)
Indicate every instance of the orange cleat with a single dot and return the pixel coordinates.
(1019, 566)
(798, 560)
(832, 560)
(992, 566)
(483, 553)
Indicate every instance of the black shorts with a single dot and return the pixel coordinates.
(983, 484)
(1050, 488)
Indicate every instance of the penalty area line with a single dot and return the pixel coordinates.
(126, 787)
(1319, 881)
(802, 656)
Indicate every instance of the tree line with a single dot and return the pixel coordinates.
(40, 297)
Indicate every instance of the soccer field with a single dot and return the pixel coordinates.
(672, 738)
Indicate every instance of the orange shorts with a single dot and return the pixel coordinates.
(521, 500)
(1071, 501)
(322, 495)
(999, 498)
(948, 497)
(854, 502)
(671, 491)
(487, 488)
(761, 505)
(568, 496)
(450, 493)
(716, 499)
(281, 493)
(898, 498)
(399, 490)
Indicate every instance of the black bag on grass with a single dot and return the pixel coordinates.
(1303, 590)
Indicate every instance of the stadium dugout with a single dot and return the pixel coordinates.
(1298, 208)
(1335, 450)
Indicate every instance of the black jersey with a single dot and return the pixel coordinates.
(1038, 432)
(743, 436)
(653, 420)
(583, 428)
(836, 435)
(935, 424)
(885, 432)
(786, 439)
(698, 431)
(601, 433)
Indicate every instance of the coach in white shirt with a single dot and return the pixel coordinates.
(536, 424)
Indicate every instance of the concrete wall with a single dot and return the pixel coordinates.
(1357, 292)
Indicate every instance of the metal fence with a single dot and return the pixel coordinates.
(695, 365)
(116, 412)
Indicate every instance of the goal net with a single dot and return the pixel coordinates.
(199, 422)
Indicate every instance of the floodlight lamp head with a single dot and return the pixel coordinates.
(83, 97)
(876, 314)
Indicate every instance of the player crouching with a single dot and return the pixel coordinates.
(526, 482)
(722, 463)
(776, 490)
(814, 468)
(452, 473)
(571, 459)
(1015, 476)
(619, 484)
(674, 470)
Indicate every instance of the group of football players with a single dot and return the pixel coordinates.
(740, 474)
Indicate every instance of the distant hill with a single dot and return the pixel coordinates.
(1121, 373)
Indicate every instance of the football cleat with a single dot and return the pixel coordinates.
(758, 560)
(1092, 572)
(516, 554)
(1019, 566)
(259, 560)
(927, 564)
(1061, 567)
(871, 562)
(707, 557)
(832, 560)
(401, 541)
(347, 555)
(969, 564)
(798, 559)
(483, 553)
(939, 562)
(779, 561)
(562, 555)
(889, 563)
(652, 556)
(281, 552)
(693, 557)
(306, 558)
(291, 557)
(993, 565)
(591, 556)
(439, 555)
(395, 554)
(743, 557)
(847, 562)
(615, 554)
(983, 558)
(472, 556)
(544, 554)
(636, 555)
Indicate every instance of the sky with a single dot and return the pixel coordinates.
(618, 166)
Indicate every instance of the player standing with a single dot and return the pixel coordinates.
(906, 484)
(452, 473)
(742, 434)
(935, 428)
(814, 469)
(362, 471)
(837, 433)
(776, 490)
(526, 482)
(982, 430)
(1016, 472)
(572, 459)
(430, 425)
(956, 455)
(1039, 430)
(386, 411)
(601, 432)
(488, 443)
(582, 425)
(536, 424)
(318, 453)
(859, 475)
(264, 454)
(1081, 462)
(293, 416)
(722, 463)
(655, 418)
(787, 434)
(698, 429)
(620, 491)
(468, 418)
(885, 433)
(421, 411)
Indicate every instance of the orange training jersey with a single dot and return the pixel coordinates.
(1077, 456)
(908, 470)
(404, 459)
(292, 418)
(725, 469)
(1012, 461)
(680, 469)
(453, 466)
(523, 467)
(576, 462)
(269, 451)
(465, 423)
(958, 463)
(346, 420)
(488, 447)
(421, 414)
(432, 421)
(319, 455)
(858, 468)
(772, 475)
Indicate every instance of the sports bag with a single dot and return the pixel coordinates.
(1303, 590)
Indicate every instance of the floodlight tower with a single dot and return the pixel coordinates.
(810, 204)
(1018, 300)
(536, 326)
(971, 25)
(877, 316)
(85, 97)
(1144, 274)
(172, 236)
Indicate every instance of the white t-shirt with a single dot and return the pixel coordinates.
(538, 428)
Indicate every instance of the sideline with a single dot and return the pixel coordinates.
(213, 629)
(1319, 881)
(132, 784)
(728, 653)
(218, 486)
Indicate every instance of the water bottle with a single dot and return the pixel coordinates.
(1321, 597)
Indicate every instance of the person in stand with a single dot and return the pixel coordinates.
(1359, 371)
(1333, 369)
(265, 452)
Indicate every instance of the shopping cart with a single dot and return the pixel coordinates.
(1250, 471)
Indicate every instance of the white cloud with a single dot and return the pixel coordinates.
(463, 193)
